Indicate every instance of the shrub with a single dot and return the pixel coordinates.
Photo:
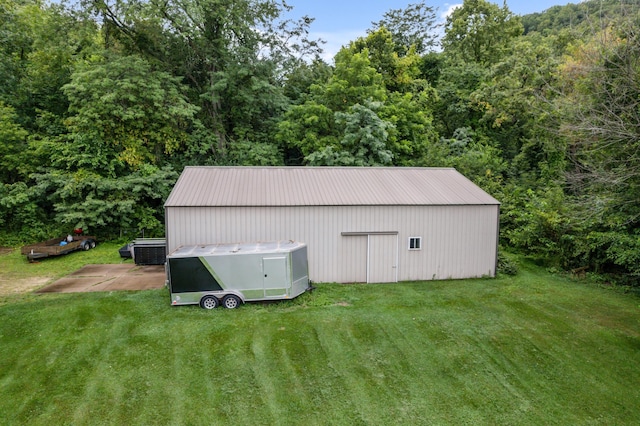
(506, 265)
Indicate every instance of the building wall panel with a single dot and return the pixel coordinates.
(457, 241)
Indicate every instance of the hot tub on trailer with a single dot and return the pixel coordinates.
(231, 274)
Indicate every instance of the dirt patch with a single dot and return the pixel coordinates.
(5, 250)
(109, 278)
(24, 285)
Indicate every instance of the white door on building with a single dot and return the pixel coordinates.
(353, 258)
(382, 258)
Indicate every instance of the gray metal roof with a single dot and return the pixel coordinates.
(324, 186)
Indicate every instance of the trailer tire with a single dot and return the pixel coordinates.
(230, 301)
(209, 302)
(88, 245)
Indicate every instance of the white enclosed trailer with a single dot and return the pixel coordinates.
(231, 274)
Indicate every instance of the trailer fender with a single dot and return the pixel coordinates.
(221, 295)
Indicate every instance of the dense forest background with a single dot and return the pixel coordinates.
(103, 102)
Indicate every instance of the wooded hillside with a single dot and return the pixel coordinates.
(102, 103)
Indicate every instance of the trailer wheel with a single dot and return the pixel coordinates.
(230, 301)
(93, 244)
(86, 245)
(209, 302)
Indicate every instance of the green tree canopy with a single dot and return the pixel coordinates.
(13, 145)
(232, 54)
(125, 104)
(412, 28)
(363, 142)
(480, 32)
(398, 72)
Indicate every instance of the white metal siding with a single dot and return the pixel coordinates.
(457, 241)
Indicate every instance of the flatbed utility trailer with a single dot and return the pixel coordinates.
(231, 274)
(58, 246)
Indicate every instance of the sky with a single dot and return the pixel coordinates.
(340, 21)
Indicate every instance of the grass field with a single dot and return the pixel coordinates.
(525, 350)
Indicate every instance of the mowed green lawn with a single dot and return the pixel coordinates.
(532, 349)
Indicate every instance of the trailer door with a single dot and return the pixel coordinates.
(276, 283)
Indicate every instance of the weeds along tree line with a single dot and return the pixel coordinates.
(103, 102)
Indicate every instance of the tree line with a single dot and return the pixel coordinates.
(103, 102)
